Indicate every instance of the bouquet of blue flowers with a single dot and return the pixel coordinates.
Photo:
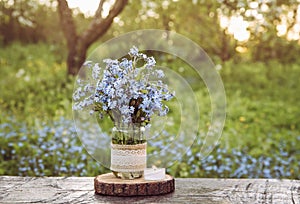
(126, 92)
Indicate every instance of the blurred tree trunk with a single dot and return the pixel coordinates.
(79, 43)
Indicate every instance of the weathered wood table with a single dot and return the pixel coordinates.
(193, 190)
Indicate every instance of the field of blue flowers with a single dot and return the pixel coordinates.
(260, 139)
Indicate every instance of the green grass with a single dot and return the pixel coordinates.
(262, 105)
(34, 83)
(37, 135)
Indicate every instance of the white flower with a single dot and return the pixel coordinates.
(160, 73)
(96, 71)
(112, 104)
(133, 52)
(150, 62)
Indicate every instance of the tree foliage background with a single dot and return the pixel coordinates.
(30, 21)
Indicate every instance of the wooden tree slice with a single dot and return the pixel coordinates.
(108, 184)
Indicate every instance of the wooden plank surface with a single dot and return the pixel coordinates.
(193, 190)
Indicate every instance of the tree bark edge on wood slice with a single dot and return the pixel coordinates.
(108, 184)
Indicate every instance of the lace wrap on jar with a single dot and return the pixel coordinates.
(128, 158)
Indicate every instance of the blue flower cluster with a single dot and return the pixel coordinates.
(54, 149)
(127, 93)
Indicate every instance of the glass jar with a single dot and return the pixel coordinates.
(128, 151)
